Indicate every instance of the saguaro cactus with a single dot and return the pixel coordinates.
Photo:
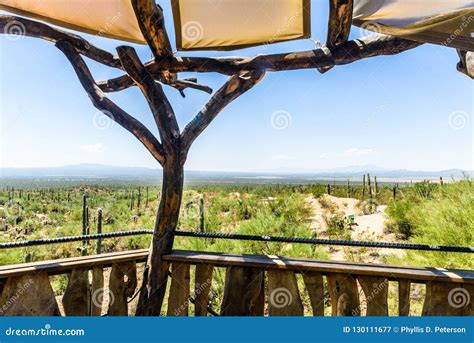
(369, 185)
(139, 198)
(363, 186)
(201, 214)
(132, 201)
(99, 231)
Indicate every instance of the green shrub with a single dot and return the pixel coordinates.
(425, 189)
(338, 225)
(400, 221)
(327, 204)
(445, 219)
(318, 190)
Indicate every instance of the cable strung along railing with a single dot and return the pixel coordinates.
(254, 284)
(255, 238)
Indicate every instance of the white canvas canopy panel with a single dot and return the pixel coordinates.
(108, 18)
(231, 24)
(445, 22)
(199, 24)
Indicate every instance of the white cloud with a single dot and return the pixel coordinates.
(93, 148)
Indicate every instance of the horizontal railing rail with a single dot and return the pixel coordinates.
(66, 265)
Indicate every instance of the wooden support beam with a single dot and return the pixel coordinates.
(161, 109)
(152, 24)
(349, 52)
(340, 21)
(344, 53)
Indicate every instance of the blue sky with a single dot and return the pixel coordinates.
(409, 111)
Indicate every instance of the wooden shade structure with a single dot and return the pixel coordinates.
(170, 148)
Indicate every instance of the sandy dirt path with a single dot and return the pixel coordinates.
(368, 228)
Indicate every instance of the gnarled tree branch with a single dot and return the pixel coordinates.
(351, 51)
(121, 83)
(46, 32)
(340, 21)
(161, 108)
(152, 24)
(231, 90)
(106, 106)
(339, 25)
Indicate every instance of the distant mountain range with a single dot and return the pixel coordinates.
(90, 172)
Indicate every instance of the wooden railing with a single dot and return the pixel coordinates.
(254, 286)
